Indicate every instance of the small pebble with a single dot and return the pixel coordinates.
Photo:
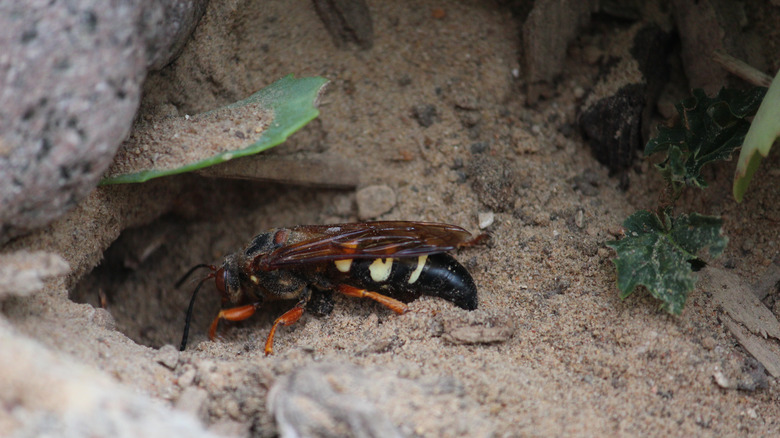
(579, 219)
(168, 355)
(166, 110)
(722, 380)
(485, 219)
(541, 219)
(470, 119)
(373, 201)
(187, 377)
(425, 115)
(479, 147)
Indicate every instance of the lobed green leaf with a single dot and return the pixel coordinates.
(656, 253)
(709, 129)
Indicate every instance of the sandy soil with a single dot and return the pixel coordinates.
(579, 361)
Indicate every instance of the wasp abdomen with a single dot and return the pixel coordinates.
(438, 275)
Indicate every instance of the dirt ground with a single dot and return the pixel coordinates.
(554, 351)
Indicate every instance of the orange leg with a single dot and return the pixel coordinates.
(234, 314)
(391, 303)
(289, 317)
(475, 241)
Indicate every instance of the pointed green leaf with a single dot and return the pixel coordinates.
(759, 139)
(281, 108)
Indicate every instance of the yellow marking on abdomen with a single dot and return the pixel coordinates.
(418, 270)
(343, 265)
(380, 270)
(254, 279)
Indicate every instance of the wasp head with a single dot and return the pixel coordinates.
(228, 281)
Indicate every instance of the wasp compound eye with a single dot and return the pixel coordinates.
(220, 278)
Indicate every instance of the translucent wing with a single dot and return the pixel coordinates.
(322, 243)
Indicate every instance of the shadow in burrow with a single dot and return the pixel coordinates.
(136, 279)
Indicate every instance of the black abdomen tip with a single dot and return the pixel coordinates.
(444, 277)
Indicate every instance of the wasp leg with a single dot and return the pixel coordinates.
(289, 317)
(234, 314)
(478, 240)
(391, 303)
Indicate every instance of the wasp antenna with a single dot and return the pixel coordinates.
(193, 269)
(189, 311)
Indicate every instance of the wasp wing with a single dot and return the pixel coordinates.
(322, 243)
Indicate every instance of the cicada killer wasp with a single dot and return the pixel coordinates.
(388, 261)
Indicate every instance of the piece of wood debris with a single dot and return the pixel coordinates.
(476, 331)
(742, 69)
(738, 300)
(748, 319)
(764, 350)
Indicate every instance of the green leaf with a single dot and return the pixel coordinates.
(172, 145)
(656, 252)
(709, 129)
(759, 139)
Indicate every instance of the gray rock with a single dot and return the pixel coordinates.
(23, 272)
(313, 402)
(167, 26)
(341, 399)
(70, 83)
(68, 399)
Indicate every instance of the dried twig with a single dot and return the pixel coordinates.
(742, 69)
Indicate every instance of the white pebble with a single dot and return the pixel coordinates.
(485, 219)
